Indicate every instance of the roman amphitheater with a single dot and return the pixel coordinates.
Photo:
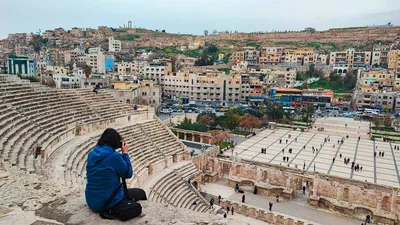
(46, 135)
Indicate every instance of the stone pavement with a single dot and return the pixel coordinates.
(293, 209)
(311, 152)
(296, 210)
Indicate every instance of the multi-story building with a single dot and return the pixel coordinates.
(377, 80)
(394, 62)
(77, 32)
(135, 92)
(185, 61)
(380, 55)
(251, 55)
(286, 96)
(376, 100)
(48, 34)
(237, 56)
(279, 78)
(316, 59)
(350, 57)
(209, 86)
(271, 55)
(114, 45)
(67, 81)
(21, 65)
(317, 97)
(153, 71)
(59, 32)
(292, 60)
(96, 59)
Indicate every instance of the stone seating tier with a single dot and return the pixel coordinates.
(173, 189)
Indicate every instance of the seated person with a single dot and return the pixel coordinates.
(105, 168)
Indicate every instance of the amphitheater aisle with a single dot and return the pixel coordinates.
(291, 209)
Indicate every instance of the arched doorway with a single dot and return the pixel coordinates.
(340, 71)
(386, 203)
(128, 101)
(346, 194)
(195, 185)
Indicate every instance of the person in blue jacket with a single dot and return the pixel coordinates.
(104, 170)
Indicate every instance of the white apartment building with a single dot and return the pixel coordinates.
(351, 58)
(114, 45)
(380, 54)
(153, 71)
(96, 59)
(210, 86)
(67, 81)
(316, 59)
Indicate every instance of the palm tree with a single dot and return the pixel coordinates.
(87, 70)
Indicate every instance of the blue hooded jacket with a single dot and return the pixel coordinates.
(104, 170)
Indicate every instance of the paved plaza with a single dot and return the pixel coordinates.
(379, 170)
(292, 209)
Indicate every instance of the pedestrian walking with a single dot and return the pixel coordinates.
(233, 210)
(340, 155)
(280, 141)
(219, 199)
(304, 189)
(224, 215)
(270, 206)
(380, 154)
(227, 209)
(295, 139)
(383, 154)
(243, 198)
(286, 141)
(333, 160)
(277, 198)
(283, 151)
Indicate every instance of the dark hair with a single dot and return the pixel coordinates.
(111, 138)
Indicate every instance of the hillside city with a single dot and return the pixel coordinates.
(267, 127)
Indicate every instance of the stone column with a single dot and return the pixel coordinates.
(315, 185)
(351, 199)
(201, 138)
(379, 205)
(185, 136)
(393, 201)
(192, 136)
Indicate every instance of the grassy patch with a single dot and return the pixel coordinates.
(129, 37)
(326, 84)
(226, 70)
(390, 129)
(239, 132)
(252, 44)
(223, 144)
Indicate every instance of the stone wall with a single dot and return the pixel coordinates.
(259, 213)
(350, 197)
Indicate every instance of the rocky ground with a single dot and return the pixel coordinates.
(31, 199)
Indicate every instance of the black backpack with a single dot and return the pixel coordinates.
(124, 210)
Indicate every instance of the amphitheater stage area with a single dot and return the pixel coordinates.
(378, 170)
(294, 209)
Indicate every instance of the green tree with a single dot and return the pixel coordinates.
(275, 111)
(230, 120)
(377, 122)
(387, 121)
(88, 71)
(307, 112)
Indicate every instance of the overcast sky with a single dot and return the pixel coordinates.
(192, 16)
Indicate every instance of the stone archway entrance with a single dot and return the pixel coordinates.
(195, 185)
